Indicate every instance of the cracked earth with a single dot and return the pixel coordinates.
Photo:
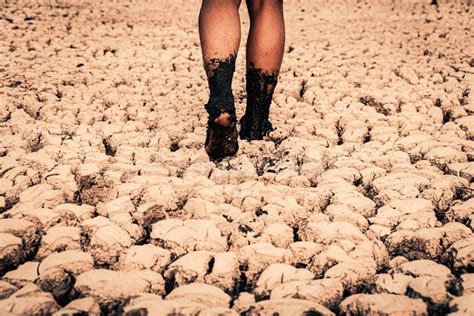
(360, 202)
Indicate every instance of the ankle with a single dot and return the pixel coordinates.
(220, 73)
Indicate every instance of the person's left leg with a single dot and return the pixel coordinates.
(219, 30)
(265, 47)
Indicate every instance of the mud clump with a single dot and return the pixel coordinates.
(93, 191)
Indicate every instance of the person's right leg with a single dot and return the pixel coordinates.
(265, 47)
(219, 30)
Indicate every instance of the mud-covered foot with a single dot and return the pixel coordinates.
(253, 130)
(221, 137)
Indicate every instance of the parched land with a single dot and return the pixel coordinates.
(361, 202)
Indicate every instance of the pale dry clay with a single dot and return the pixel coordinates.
(360, 202)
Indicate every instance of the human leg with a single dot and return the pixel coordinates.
(219, 30)
(265, 47)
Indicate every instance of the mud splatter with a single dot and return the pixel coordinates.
(220, 73)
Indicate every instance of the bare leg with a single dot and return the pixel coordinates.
(219, 30)
(265, 47)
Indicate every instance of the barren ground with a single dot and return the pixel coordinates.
(361, 201)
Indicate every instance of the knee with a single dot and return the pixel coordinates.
(258, 5)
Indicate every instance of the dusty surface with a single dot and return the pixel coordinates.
(361, 201)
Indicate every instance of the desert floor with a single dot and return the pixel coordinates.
(360, 202)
